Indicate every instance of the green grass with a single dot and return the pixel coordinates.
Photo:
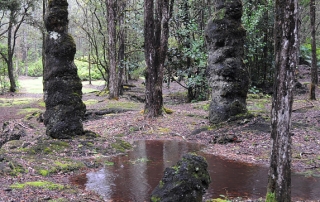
(123, 105)
(32, 85)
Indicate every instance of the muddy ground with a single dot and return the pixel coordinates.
(49, 163)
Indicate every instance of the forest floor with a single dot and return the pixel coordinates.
(38, 168)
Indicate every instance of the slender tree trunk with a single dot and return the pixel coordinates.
(10, 55)
(89, 61)
(121, 46)
(43, 32)
(113, 75)
(279, 180)
(314, 69)
(156, 34)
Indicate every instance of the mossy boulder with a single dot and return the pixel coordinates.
(185, 181)
(10, 131)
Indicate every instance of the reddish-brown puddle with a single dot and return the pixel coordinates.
(132, 177)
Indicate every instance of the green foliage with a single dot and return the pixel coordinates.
(271, 197)
(187, 54)
(253, 90)
(35, 69)
(305, 51)
(258, 21)
(136, 71)
(4, 81)
(155, 199)
(83, 70)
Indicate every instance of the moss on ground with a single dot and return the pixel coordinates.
(121, 145)
(47, 147)
(50, 165)
(28, 110)
(38, 184)
(123, 105)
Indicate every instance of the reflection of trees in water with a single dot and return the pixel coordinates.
(134, 176)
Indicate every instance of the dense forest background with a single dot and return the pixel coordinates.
(22, 32)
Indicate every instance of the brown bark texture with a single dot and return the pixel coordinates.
(314, 68)
(113, 76)
(279, 177)
(156, 34)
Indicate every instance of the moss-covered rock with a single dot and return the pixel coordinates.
(185, 181)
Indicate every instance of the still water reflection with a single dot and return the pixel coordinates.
(134, 176)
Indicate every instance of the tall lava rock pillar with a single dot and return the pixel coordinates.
(227, 75)
(62, 85)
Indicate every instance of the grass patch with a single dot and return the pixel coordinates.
(9, 102)
(123, 104)
(28, 111)
(90, 102)
(256, 106)
(38, 184)
(31, 85)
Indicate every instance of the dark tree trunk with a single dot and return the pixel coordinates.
(62, 85)
(279, 180)
(13, 85)
(156, 34)
(314, 69)
(113, 75)
(89, 62)
(227, 75)
(44, 6)
(121, 46)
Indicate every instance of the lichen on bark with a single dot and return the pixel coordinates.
(62, 85)
(227, 75)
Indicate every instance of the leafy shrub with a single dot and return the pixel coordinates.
(138, 72)
(4, 81)
(35, 69)
(305, 51)
(83, 71)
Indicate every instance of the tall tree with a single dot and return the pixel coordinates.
(18, 11)
(156, 34)
(113, 76)
(62, 85)
(314, 69)
(279, 179)
(121, 52)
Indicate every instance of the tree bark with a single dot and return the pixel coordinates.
(279, 179)
(156, 34)
(10, 55)
(314, 69)
(121, 54)
(113, 76)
